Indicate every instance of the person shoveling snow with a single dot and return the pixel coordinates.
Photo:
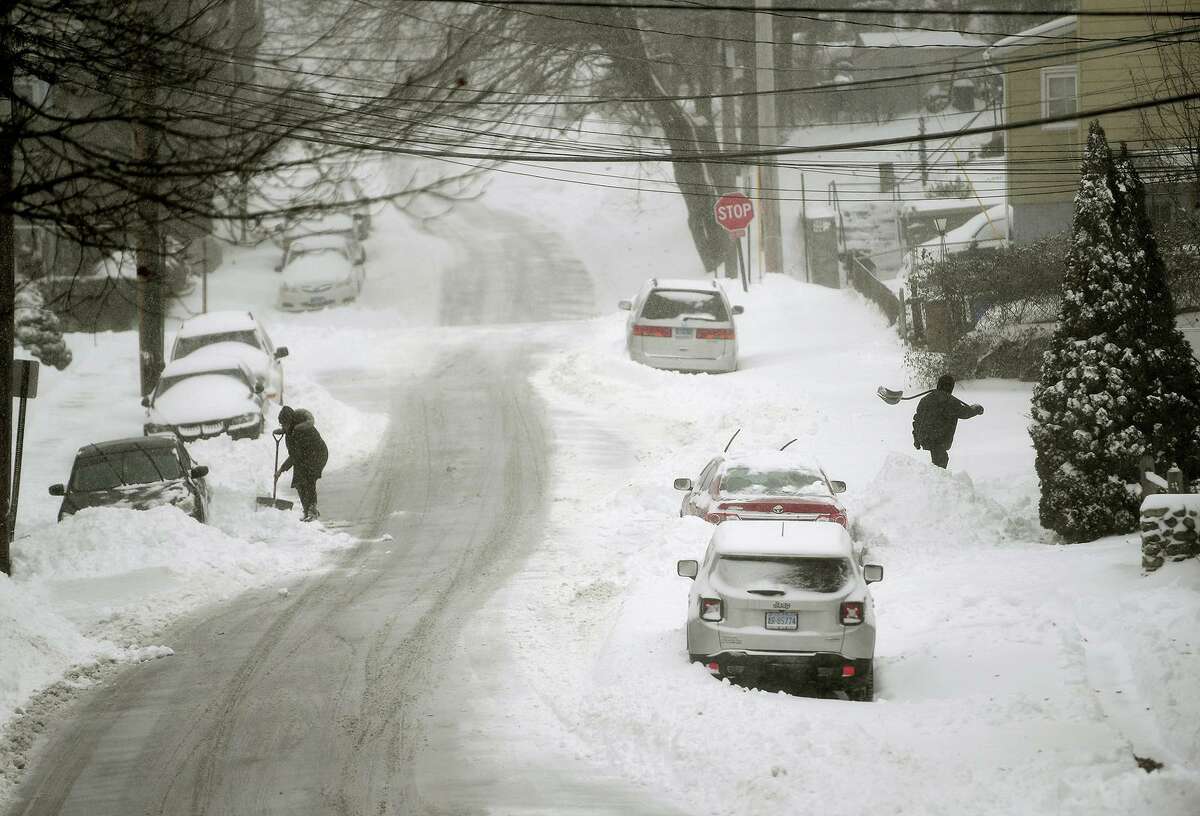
(307, 455)
(937, 418)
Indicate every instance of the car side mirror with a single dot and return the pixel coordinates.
(625, 305)
(146, 401)
(198, 472)
(872, 573)
(58, 490)
(838, 485)
(688, 569)
(737, 310)
(683, 484)
(281, 352)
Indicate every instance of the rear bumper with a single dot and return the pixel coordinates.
(299, 300)
(721, 365)
(817, 667)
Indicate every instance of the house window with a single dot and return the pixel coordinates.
(1060, 93)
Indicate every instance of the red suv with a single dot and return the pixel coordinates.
(774, 485)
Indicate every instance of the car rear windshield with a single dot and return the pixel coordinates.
(186, 345)
(674, 304)
(748, 481)
(807, 574)
(104, 471)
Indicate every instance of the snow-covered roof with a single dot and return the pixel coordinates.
(128, 443)
(787, 538)
(1039, 33)
(919, 39)
(774, 459)
(689, 284)
(216, 323)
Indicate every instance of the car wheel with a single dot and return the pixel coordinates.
(863, 689)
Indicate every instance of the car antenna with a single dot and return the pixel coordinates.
(730, 442)
(785, 446)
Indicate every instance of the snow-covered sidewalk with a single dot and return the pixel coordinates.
(1013, 676)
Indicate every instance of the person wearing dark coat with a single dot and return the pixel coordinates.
(307, 456)
(937, 418)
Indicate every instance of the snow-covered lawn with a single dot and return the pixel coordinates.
(1013, 675)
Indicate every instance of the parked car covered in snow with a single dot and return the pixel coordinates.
(138, 473)
(786, 600)
(986, 230)
(237, 335)
(774, 485)
(202, 396)
(321, 270)
(683, 325)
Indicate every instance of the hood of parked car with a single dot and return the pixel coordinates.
(203, 398)
(134, 496)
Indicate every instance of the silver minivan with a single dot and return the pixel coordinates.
(682, 324)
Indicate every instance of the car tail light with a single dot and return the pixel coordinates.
(710, 609)
(714, 667)
(847, 671)
(714, 334)
(651, 331)
(839, 518)
(852, 613)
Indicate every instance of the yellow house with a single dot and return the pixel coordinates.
(1081, 63)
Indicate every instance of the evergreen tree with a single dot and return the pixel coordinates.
(1118, 380)
(38, 330)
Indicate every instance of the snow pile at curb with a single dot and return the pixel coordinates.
(911, 505)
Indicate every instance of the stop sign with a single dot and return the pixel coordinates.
(733, 212)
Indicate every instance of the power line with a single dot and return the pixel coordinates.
(785, 9)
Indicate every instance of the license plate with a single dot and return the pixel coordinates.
(685, 332)
(783, 620)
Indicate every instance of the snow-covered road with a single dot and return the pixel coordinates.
(354, 693)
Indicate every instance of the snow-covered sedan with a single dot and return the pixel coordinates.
(204, 395)
(683, 325)
(774, 485)
(987, 230)
(321, 270)
(785, 600)
(138, 473)
(238, 335)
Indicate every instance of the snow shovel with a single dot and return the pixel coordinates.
(264, 501)
(892, 397)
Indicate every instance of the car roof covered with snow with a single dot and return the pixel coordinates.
(217, 323)
(127, 443)
(687, 284)
(966, 233)
(821, 539)
(773, 460)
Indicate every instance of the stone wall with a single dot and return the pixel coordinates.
(1169, 528)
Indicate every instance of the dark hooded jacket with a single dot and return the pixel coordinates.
(937, 418)
(307, 452)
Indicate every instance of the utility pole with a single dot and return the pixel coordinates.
(770, 232)
(730, 83)
(8, 277)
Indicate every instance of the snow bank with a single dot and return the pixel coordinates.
(910, 506)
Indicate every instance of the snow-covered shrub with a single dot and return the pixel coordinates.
(1119, 380)
(38, 330)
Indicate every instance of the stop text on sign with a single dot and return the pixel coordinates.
(733, 212)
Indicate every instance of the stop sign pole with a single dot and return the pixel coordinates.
(734, 212)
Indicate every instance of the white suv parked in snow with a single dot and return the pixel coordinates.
(787, 598)
(684, 325)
